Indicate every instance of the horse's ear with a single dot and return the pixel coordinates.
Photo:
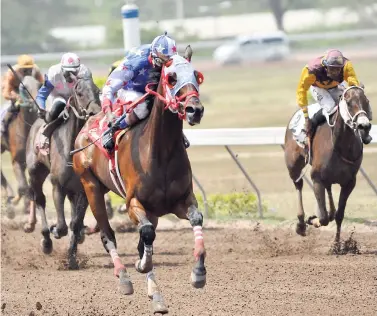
(188, 53)
(361, 85)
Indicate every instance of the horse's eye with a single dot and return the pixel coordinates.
(172, 79)
(79, 94)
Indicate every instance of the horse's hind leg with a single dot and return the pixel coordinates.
(9, 197)
(59, 193)
(301, 225)
(147, 226)
(295, 162)
(332, 204)
(343, 197)
(96, 200)
(79, 203)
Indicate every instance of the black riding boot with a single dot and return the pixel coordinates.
(317, 119)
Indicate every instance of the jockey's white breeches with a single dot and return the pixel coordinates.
(141, 110)
(328, 99)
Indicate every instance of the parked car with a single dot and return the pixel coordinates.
(257, 47)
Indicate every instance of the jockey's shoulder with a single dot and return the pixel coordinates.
(315, 64)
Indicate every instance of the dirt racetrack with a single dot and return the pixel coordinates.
(251, 270)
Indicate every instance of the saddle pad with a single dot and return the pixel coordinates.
(297, 123)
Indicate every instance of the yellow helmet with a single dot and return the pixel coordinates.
(25, 61)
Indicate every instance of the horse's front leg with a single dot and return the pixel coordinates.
(319, 191)
(147, 224)
(198, 274)
(60, 229)
(79, 204)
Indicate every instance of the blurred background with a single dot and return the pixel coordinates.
(251, 54)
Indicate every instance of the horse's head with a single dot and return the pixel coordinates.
(180, 86)
(356, 112)
(86, 96)
(32, 85)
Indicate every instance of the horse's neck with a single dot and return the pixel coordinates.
(346, 142)
(67, 133)
(164, 130)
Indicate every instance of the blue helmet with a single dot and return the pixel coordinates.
(162, 48)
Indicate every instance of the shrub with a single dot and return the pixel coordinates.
(236, 205)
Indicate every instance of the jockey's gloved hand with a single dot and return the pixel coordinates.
(41, 114)
(111, 118)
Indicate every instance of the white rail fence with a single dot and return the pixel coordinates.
(250, 137)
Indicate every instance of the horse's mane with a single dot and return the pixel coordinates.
(154, 76)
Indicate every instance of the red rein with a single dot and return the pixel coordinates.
(174, 103)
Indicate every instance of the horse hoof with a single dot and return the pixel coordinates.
(147, 267)
(73, 264)
(46, 246)
(90, 231)
(10, 212)
(310, 219)
(198, 278)
(125, 284)
(158, 305)
(301, 229)
(29, 228)
(58, 232)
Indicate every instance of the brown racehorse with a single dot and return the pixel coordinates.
(83, 104)
(156, 174)
(337, 153)
(15, 142)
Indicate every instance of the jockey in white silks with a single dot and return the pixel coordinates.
(58, 84)
(128, 81)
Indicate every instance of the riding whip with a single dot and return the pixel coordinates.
(19, 79)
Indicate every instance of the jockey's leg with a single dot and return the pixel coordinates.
(58, 105)
(12, 109)
(139, 113)
(327, 103)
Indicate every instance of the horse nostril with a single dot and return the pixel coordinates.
(190, 110)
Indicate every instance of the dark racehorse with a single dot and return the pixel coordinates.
(337, 153)
(155, 172)
(83, 103)
(15, 142)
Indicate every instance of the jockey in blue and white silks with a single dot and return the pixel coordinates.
(59, 83)
(128, 81)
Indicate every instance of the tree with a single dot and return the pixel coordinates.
(280, 7)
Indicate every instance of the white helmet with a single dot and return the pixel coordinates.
(70, 62)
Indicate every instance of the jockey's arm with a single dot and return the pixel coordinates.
(350, 75)
(306, 80)
(8, 86)
(37, 74)
(44, 92)
(117, 79)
